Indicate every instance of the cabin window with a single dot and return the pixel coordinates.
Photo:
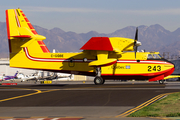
(150, 56)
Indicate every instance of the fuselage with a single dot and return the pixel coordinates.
(146, 66)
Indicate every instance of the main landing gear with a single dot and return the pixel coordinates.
(98, 80)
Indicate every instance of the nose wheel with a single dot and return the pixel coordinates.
(161, 81)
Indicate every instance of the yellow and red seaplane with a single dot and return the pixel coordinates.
(102, 57)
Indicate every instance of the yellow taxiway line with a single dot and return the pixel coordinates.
(38, 92)
(142, 105)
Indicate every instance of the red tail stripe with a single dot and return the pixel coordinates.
(45, 49)
(23, 14)
(8, 31)
(30, 26)
(41, 43)
(26, 20)
(7, 24)
(34, 31)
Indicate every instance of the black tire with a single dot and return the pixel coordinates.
(98, 80)
(161, 81)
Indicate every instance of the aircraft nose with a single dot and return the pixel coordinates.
(171, 67)
(171, 63)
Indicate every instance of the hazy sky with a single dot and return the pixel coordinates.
(103, 16)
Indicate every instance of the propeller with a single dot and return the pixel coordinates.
(135, 41)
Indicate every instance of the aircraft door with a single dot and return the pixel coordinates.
(71, 62)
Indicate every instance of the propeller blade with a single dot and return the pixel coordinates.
(136, 35)
(135, 50)
(135, 41)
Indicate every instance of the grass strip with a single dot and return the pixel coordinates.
(166, 107)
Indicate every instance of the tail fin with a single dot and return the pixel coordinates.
(22, 34)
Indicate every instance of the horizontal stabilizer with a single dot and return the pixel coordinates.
(22, 36)
(100, 63)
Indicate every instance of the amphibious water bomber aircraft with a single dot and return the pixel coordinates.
(102, 57)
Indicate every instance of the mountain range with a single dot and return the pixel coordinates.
(153, 38)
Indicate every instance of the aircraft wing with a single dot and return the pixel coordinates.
(105, 45)
(98, 43)
(105, 62)
(102, 46)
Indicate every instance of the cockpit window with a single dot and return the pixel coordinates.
(150, 56)
(156, 56)
(160, 55)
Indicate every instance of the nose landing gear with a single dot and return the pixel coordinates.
(161, 81)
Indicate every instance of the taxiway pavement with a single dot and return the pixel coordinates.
(78, 99)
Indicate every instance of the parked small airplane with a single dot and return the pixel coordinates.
(9, 77)
(64, 76)
(102, 57)
(27, 77)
